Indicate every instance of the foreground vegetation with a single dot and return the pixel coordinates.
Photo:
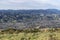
(31, 34)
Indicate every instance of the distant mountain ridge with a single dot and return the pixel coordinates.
(47, 11)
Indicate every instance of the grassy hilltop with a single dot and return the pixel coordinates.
(31, 34)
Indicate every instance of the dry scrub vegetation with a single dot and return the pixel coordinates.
(30, 34)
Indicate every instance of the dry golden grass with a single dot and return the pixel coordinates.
(41, 34)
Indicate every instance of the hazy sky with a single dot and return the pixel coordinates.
(29, 4)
